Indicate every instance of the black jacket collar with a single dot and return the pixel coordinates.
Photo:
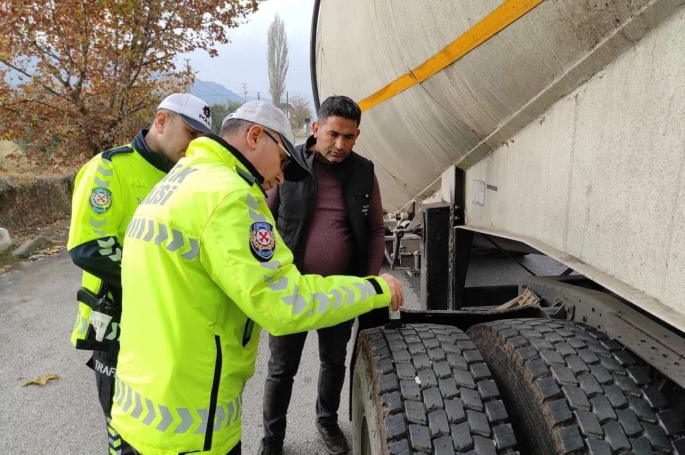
(236, 153)
(342, 170)
(152, 157)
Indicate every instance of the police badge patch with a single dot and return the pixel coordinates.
(100, 200)
(262, 241)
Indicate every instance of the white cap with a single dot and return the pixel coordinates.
(192, 109)
(269, 116)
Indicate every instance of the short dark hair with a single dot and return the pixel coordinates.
(233, 125)
(339, 106)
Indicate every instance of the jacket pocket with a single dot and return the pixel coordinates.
(361, 202)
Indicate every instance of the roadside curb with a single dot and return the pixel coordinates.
(29, 246)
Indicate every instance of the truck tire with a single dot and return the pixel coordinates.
(574, 390)
(422, 389)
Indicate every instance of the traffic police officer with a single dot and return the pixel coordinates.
(204, 269)
(107, 191)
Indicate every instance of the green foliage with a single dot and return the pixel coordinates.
(220, 111)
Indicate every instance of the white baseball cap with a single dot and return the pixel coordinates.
(269, 116)
(192, 110)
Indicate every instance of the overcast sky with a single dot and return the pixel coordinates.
(244, 58)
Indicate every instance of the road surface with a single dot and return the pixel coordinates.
(37, 311)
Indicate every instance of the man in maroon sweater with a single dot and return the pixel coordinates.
(333, 223)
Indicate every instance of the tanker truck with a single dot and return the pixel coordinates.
(552, 127)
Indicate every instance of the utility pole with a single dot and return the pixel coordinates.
(187, 75)
(245, 92)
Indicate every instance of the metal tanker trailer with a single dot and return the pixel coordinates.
(553, 127)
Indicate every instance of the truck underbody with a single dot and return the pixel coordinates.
(548, 127)
(576, 367)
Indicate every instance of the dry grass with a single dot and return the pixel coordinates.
(6, 147)
(15, 164)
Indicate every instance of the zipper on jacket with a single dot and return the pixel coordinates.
(209, 431)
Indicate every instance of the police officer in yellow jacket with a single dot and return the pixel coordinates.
(204, 268)
(107, 191)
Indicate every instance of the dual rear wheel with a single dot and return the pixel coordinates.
(540, 387)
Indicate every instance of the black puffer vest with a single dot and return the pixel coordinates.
(298, 200)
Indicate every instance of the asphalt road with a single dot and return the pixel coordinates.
(37, 311)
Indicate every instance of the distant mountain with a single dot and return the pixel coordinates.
(211, 93)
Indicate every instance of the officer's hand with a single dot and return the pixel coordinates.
(395, 290)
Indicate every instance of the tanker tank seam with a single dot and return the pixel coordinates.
(376, 162)
(468, 159)
(449, 114)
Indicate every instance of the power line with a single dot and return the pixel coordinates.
(211, 89)
(222, 80)
(226, 81)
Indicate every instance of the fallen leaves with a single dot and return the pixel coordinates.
(47, 252)
(52, 250)
(5, 269)
(41, 380)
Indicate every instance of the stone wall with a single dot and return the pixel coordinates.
(27, 201)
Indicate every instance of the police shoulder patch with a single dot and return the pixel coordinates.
(100, 200)
(262, 241)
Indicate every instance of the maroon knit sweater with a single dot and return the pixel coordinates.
(330, 247)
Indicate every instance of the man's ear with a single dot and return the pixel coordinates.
(252, 134)
(358, 131)
(315, 129)
(160, 121)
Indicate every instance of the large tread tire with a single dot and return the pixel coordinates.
(453, 408)
(574, 390)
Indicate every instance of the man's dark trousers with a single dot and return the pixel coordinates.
(284, 362)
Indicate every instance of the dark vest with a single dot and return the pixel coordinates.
(298, 201)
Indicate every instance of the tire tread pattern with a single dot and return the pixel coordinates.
(595, 395)
(437, 394)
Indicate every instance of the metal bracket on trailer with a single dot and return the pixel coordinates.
(660, 346)
(527, 299)
(394, 258)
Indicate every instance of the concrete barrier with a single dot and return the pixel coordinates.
(27, 201)
(27, 248)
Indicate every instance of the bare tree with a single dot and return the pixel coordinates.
(299, 111)
(277, 59)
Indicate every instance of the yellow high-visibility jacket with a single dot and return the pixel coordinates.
(107, 191)
(203, 261)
